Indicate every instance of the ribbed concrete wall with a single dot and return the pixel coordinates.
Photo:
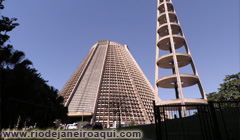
(109, 82)
(87, 88)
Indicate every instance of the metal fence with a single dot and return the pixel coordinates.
(214, 121)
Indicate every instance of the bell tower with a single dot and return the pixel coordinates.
(170, 38)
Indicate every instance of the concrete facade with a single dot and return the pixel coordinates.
(169, 38)
(109, 82)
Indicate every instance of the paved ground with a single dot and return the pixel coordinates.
(146, 139)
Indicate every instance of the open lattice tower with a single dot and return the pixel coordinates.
(170, 38)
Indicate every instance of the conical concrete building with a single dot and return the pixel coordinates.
(108, 84)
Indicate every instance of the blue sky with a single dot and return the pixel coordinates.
(56, 35)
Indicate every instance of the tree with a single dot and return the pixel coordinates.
(229, 90)
(132, 123)
(26, 98)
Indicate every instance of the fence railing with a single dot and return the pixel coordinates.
(214, 121)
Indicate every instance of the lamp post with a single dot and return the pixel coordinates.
(82, 117)
(119, 119)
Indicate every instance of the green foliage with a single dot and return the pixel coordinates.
(24, 93)
(83, 123)
(132, 123)
(229, 90)
(6, 25)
